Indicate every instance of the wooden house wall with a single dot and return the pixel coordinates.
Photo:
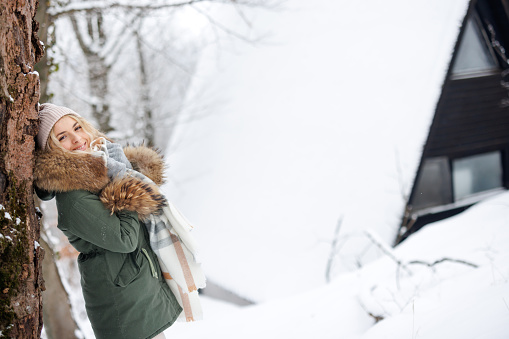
(470, 118)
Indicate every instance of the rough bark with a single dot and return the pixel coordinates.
(45, 64)
(20, 254)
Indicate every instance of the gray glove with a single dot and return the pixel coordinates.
(115, 168)
(115, 152)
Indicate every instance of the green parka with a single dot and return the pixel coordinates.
(125, 293)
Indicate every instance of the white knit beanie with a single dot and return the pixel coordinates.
(49, 114)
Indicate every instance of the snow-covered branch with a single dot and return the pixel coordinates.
(83, 6)
(387, 250)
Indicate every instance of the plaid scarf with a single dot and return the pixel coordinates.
(176, 251)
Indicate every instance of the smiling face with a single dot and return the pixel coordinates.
(71, 134)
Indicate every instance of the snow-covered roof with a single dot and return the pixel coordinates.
(325, 119)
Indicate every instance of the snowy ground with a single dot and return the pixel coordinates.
(450, 299)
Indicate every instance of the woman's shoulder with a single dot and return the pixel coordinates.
(77, 205)
(76, 194)
(148, 161)
(69, 198)
(61, 171)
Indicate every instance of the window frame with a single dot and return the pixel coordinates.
(480, 30)
(473, 194)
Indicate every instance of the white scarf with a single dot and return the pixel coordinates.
(176, 251)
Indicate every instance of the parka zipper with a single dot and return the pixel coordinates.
(152, 268)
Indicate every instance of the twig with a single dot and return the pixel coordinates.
(376, 317)
(413, 319)
(223, 28)
(333, 249)
(436, 262)
(102, 5)
(387, 251)
(401, 180)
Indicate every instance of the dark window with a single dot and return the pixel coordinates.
(434, 184)
(475, 56)
(476, 174)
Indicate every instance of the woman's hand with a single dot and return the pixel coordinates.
(116, 153)
(115, 168)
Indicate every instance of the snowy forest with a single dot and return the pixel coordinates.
(295, 134)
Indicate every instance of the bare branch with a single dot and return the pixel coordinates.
(114, 49)
(333, 249)
(387, 250)
(399, 171)
(505, 304)
(242, 15)
(84, 47)
(436, 262)
(134, 5)
(223, 28)
(377, 318)
(104, 5)
(136, 20)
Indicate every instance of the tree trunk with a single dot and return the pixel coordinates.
(20, 254)
(57, 315)
(98, 69)
(145, 96)
(57, 311)
(44, 65)
(98, 73)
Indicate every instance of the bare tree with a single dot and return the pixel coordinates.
(57, 314)
(20, 254)
(98, 67)
(146, 105)
(122, 56)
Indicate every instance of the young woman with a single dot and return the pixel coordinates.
(125, 293)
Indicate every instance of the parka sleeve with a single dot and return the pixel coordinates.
(43, 194)
(147, 161)
(89, 220)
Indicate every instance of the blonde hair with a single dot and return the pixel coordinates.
(92, 132)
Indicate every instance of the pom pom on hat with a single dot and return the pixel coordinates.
(49, 114)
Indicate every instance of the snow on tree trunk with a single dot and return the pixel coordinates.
(148, 131)
(98, 82)
(57, 315)
(20, 254)
(92, 41)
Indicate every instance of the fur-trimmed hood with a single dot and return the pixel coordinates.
(61, 171)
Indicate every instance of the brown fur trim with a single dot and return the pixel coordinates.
(61, 171)
(132, 194)
(146, 161)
